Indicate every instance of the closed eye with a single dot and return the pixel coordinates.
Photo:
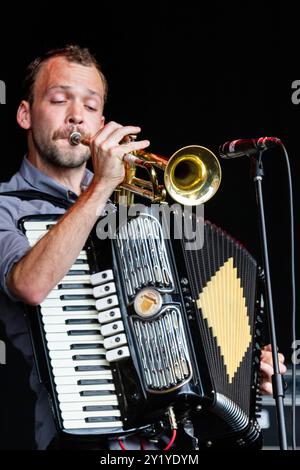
(90, 108)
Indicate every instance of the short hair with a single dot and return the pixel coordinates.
(73, 53)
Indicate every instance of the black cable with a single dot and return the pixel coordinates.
(293, 286)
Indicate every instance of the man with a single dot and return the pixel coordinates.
(64, 91)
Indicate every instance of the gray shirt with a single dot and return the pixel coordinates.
(13, 246)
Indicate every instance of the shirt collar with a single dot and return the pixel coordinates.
(42, 182)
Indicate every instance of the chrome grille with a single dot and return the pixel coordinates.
(163, 351)
(143, 255)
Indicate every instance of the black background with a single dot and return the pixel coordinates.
(186, 75)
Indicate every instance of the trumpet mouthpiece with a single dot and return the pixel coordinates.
(75, 138)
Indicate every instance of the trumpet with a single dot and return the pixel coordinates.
(192, 175)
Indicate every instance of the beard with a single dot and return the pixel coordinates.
(51, 153)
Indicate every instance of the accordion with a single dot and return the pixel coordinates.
(140, 324)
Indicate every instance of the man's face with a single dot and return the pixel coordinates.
(67, 96)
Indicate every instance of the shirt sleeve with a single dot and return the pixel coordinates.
(13, 243)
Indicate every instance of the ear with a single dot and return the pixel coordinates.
(24, 115)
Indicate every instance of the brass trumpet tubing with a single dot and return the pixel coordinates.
(137, 190)
(154, 159)
(192, 175)
(142, 183)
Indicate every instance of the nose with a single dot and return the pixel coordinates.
(75, 114)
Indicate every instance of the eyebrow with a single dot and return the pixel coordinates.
(68, 87)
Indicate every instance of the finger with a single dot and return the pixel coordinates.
(266, 356)
(119, 134)
(268, 347)
(266, 369)
(105, 132)
(281, 357)
(266, 387)
(282, 368)
(120, 151)
(130, 147)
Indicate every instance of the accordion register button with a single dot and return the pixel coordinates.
(105, 289)
(115, 341)
(117, 354)
(107, 302)
(112, 328)
(100, 278)
(109, 315)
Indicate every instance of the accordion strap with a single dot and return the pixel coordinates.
(30, 194)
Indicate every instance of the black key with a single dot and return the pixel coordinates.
(76, 272)
(93, 381)
(96, 393)
(99, 408)
(80, 261)
(85, 346)
(81, 321)
(101, 419)
(83, 332)
(75, 308)
(76, 297)
(90, 368)
(74, 286)
(88, 357)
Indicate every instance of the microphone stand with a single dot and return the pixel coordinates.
(277, 382)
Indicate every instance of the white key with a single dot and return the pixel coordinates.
(75, 352)
(34, 237)
(54, 311)
(80, 267)
(107, 302)
(66, 345)
(32, 242)
(109, 315)
(72, 380)
(69, 371)
(80, 278)
(78, 424)
(57, 293)
(104, 290)
(70, 285)
(38, 225)
(101, 277)
(69, 397)
(50, 328)
(117, 354)
(67, 303)
(77, 406)
(82, 388)
(35, 234)
(61, 319)
(115, 341)
(112, 328)
(72, 363)
(74, 338)
(68, 415)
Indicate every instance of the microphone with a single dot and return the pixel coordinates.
(241, 147)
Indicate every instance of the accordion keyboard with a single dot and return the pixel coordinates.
(83, 334)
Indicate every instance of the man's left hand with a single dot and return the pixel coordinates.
(266, 368)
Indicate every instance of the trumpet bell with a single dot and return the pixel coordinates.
(192, 175)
